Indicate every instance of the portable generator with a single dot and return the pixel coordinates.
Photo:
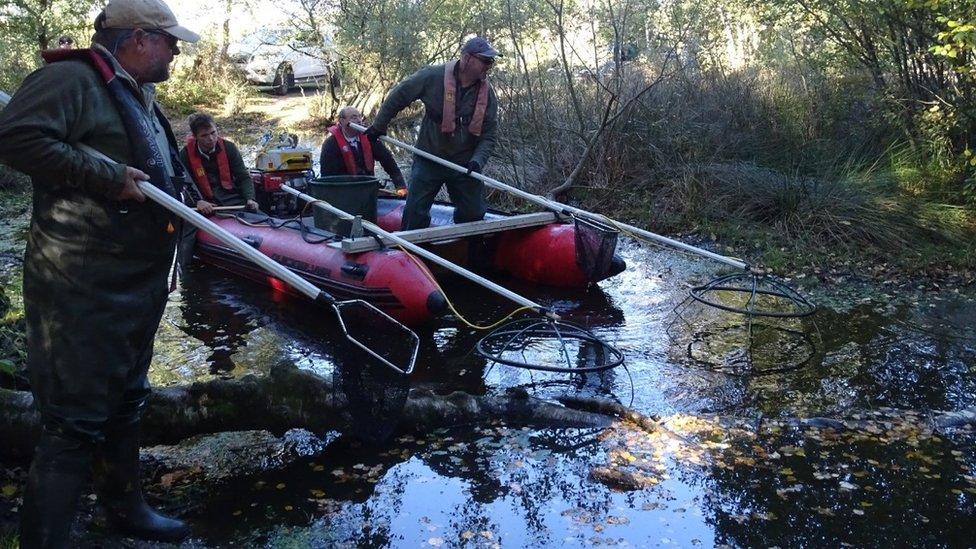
(283, 164)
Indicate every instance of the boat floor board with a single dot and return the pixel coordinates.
(448, 232)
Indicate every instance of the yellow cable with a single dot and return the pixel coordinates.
(450, 305)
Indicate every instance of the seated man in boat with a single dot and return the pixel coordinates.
(216, 167)
(346, 153)
(460, 120)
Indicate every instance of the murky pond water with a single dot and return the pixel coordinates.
(712, 475)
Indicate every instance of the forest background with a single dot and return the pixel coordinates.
(804, 132)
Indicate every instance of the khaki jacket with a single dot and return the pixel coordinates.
(459, 147)
(80, 236)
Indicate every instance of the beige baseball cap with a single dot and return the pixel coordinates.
(145, 14)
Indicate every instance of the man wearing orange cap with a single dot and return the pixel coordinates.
(95, 269)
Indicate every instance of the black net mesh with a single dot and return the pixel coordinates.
(595, 245)
(370, 400)
(393, 343)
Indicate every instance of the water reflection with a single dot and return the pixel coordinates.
(846, 490)
(208, 315)
(488, 483)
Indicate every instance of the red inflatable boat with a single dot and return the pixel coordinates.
(555, 254)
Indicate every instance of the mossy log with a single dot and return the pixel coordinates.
(290, 398)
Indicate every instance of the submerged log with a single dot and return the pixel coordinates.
(290, 398)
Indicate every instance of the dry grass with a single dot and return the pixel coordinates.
(794, 156)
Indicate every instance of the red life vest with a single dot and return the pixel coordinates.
(448, 122)
(348, 158)
(200, 174)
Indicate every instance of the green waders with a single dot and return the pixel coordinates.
(90, 331)
(426, 178)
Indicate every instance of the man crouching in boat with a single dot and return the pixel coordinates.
(96, 264)
(344, 152)
(460, 121)
(216, 167)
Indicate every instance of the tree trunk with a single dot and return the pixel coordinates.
(290, 398)
(225, 37)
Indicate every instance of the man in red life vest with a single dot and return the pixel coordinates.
(345, 152)
(460, 123)
(216, 166)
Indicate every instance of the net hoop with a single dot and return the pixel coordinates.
(753, 285)
(512, 336)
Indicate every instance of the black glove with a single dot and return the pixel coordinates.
(474, 166)
(372, 133)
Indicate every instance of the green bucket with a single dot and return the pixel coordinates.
(353, 194)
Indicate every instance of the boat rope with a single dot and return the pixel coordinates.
(450, 304)
(294, 222)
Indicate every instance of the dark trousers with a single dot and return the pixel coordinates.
(88, 353)
(467, 194)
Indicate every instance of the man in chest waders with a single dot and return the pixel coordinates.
(96, 265)
(460, 121)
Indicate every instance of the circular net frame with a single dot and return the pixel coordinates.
(725, 343)
(549, 346)
(753, 295)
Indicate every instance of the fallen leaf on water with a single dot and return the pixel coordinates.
(436, 542)
(467, 534)
(9, 490)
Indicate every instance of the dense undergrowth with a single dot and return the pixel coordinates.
(789, 167)
(793, 174)
(202, 78)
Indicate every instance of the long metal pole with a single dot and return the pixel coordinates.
(433, 258)
(193, 217)
(562, 208)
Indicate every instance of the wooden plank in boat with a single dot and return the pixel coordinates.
(448, 232)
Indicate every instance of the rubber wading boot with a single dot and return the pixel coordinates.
(58, 474)
(120, 492)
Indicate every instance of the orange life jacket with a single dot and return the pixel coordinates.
(348, 158)
(448, 122)
(200, 174)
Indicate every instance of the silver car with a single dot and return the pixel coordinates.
(272, 58)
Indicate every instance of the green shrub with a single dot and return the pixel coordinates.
(203, 79)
